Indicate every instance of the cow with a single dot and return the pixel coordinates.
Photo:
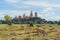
(39, 31)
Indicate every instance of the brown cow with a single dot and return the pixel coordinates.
(40, 31)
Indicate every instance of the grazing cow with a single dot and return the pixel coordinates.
(51, 29)
(41, 31)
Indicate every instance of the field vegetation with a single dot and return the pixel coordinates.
(26, 32)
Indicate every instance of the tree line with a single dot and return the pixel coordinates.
(9, 20)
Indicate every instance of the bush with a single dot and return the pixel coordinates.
(59, 23)
(13, 38)
(31, 24)
(9, 23)
(50, 26)
(38, 25)
(27, 38)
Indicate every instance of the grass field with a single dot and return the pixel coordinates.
(24, 32)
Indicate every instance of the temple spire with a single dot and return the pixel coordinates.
(24, 15)
(31, 14)
(35, 14)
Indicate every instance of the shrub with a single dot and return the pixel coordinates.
(13, 38)
(38, 25)
(31, 24)
(27, 38)
(59, 23)
(9, 23)
(50, 26)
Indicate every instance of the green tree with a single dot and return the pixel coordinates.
(8, 19)
(0, 21)
(58, 22)
(31, 24)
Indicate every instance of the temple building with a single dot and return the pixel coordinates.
(19, 17)
(28, 19)
(35, 14)
(24, 15)
(31, 14)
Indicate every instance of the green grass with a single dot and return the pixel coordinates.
(14, 31)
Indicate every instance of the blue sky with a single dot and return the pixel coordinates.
(47, 9)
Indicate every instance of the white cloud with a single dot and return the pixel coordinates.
(12, 1)
(13, 13)
(38, 3)
(48, 12)
(20, 6)
(55, 18)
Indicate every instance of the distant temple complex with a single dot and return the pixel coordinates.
(27, 19)
(30, 16)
